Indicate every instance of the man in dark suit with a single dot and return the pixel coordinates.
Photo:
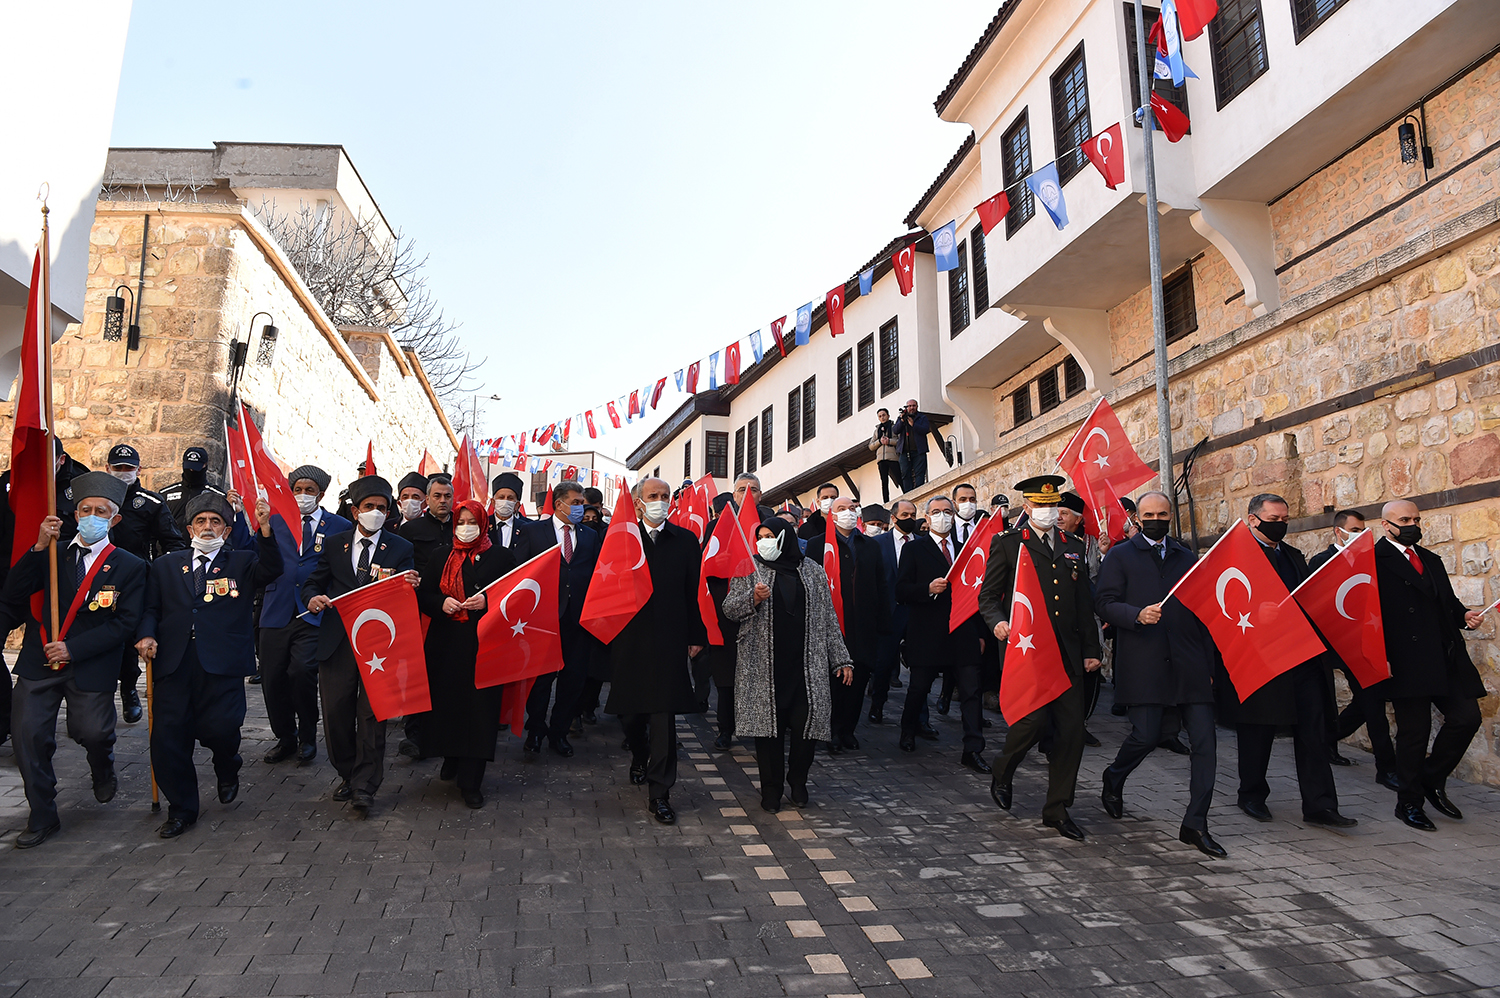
(816, 524)
(288, 633)
(1365, 708)
(506, 497)
(1430, 666)
(100, 592)
(651, 678)
(1295, 698)
(1164, 660)
(1062, 569)
(866, 621)
(580, 550)
(922, 587)
(206, 593)
(434, 528)
(369, 553)
(888, 656)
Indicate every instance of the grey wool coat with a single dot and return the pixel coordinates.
(754, 685)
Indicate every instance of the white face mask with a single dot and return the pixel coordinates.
(466, 532)
(372, 520)
(505, 509)
(1044, 517)
(1349, 536)
(941, 523)
(306, 503)
(966, 510)
(825, 505)
(412, 508)
(768, 548)
(846, 519)
(128, 476)
(207, 545)
(656, 511)
(873, 530)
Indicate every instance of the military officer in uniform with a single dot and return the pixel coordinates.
(1062, 569)
(194, 482)
(146, 529)
(198, 630)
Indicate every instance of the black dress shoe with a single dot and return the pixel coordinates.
(362, 801)
(798, 795)
(281, 753)
(173, 827)
(942, 705)
(896, 683)
(473, 799)
(576, 728)
(562, 746)
(1066, 828)
(106, 786)
(591, 717)
(908, 742)
(1202, 841)
(29, 839)
(229, 790)
(769, 807)
(533, 743)
(1329, 818)
(834, 748)
(1256, 810)
(1113, 796)
(409, 749)
(1388, 780)
(254, 680)
(130, 702)
(974, 761)
(724, 743)
(848, 741)
(1339, 760)
(985, 722)
(1413, 815)
(637, 774)
(1119, 710)
(1001, 793)
(449, 770)
(661, 810)
(1439, 799)
(877, 716)
(1090, 740)
(343, 791)
(929, 733)
(1175, 745)
(306, 754)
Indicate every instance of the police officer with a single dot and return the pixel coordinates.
(146, 529)
(1062, 569)
(194, 482)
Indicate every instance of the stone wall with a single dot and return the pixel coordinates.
(209, 267)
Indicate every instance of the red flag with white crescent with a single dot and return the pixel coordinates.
(1034, 673)
(622, 580)
(429, 465)
(1107, 152)
(1342, 599)
(242, 472)
(32, 460)
(967, 573)
(776, 327)
(1101, 452)
(831, 569)
(518, 633)
(904, 262)
(1173, 122)
(834, 302)
(385, 631)
(732, 363)
(269, 478)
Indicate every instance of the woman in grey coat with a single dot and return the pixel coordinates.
(789, 646)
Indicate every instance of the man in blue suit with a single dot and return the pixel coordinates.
(369, 553)
(198, 630)
(579, 647)
(888, 660)
(289, 640)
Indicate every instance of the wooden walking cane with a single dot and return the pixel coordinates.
(155, 793)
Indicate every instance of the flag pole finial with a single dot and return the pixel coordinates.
(42, 194)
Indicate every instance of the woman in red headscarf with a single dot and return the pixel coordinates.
(464, 721)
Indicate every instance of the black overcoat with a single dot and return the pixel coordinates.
(649, 667)
(1423, 629)
(929, 643)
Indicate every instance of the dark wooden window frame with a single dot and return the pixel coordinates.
(1070, 87)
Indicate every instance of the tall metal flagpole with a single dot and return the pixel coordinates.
(1153, 242)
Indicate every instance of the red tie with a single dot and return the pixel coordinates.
(1416, 562)
(567, 543)
(946, 553)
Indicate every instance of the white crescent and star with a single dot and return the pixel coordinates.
(1104, 145)
(1343, 592)
(1023, 641)
(982, 558)
(1225, 577)
(713, 547)
(634, 530)
(1102, 458)
(376, 663)
(525, 585)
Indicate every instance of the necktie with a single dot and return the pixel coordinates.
(946, 552)
(363, 576)
(1411, 556)
(79, 570)
(1048, 538)
(307, 533)
(567, 543)
(1161, 550)
(200, 575)
(654, 532)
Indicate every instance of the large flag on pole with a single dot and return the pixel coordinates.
(622, 581)
(385, 631)
(469, 480)
(269, 478)
(967, 574)
(33, 477)
(1101, 452)
(832, 569)
(1342, 599)
(1034, 673)
(242, 472)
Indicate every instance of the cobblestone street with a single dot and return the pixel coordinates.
(902, 877)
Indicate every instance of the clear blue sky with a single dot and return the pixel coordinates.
(607, 191)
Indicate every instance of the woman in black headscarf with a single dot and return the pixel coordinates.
(789, 645)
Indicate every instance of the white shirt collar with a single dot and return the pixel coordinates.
(92, 549)
(1396, 544)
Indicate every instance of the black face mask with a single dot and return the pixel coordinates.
(194, 479)
(1155, 530)
(906, 524)
(1272, 531)
(1409, 534)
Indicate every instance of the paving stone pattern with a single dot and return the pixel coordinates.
(901, 878)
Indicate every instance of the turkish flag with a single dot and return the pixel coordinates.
(389, 654)
(661, 384)
(518, 634)
(732, 363)
(835, 306)
(1342, 600)
(269, 478)
(1173, 122)
(1103, 514)
(698, 504)
(991, 212)
(622, 581)
(1258, 627)
(242, 472)
(831, 569)
(635, 404)
(726, 556)
(32, 463)
(429, 465)
(904, 262)
(1101, 452)
(588, 417)
(1034, 674)
(967, 573)
(692, 378)
(776, 326)
(469, 481)
(1194, 15)
(370, 459)
(614, 414)
(1107, 152)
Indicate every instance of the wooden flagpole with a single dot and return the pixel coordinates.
(44, 319)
